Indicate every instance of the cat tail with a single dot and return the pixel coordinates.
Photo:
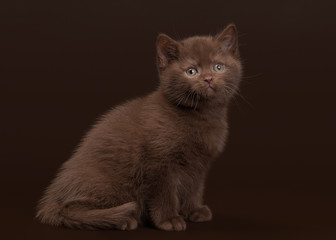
(79, 214)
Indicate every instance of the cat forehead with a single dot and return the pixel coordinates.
(200, 48)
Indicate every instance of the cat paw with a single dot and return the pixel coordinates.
(128, 224)
(174, 224)
(202, 214)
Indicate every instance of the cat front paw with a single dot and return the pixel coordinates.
(129, 223)
(202, 214)
(174, 224)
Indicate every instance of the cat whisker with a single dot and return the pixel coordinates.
(192, 98)
(227, 92)
(177, 99)
(252, 76)
(234, 93)
(197, 100)
(231, 94)
(186, 100)
(238, 93)
(180, 98)
(196, 96)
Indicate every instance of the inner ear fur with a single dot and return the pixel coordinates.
(167, 50)
(228, 39)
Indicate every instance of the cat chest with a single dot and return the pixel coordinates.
(199, 146)
(196, 153)
(209, 141)
(186, 144)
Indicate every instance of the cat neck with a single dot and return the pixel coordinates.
(205, 109)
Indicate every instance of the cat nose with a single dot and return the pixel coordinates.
(208, 79)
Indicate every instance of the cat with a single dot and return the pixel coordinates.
(146, 161)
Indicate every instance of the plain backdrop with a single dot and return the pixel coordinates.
(64, 63)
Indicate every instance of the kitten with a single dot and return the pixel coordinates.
(146, 161)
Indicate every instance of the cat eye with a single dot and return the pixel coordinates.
(218, 68)
(191, 72)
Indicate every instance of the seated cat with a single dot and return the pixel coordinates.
(146, 161)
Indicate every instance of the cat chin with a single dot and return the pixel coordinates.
(208, 92)
(210, 89)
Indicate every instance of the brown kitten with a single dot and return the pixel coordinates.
(147, 160)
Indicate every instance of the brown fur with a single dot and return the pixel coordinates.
(147, 160)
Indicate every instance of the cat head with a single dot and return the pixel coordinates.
(199, 69)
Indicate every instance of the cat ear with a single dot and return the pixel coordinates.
(229, 39)
(167, 50)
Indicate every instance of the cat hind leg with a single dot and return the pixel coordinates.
(81, 215)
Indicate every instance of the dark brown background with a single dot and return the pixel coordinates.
(65, 63)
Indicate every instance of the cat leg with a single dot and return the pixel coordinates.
(192, 207)
(83, 214)
(80, 214)
(200, 214)
(163, 205)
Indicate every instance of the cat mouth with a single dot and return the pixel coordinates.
(210, 88)
(208, 91)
